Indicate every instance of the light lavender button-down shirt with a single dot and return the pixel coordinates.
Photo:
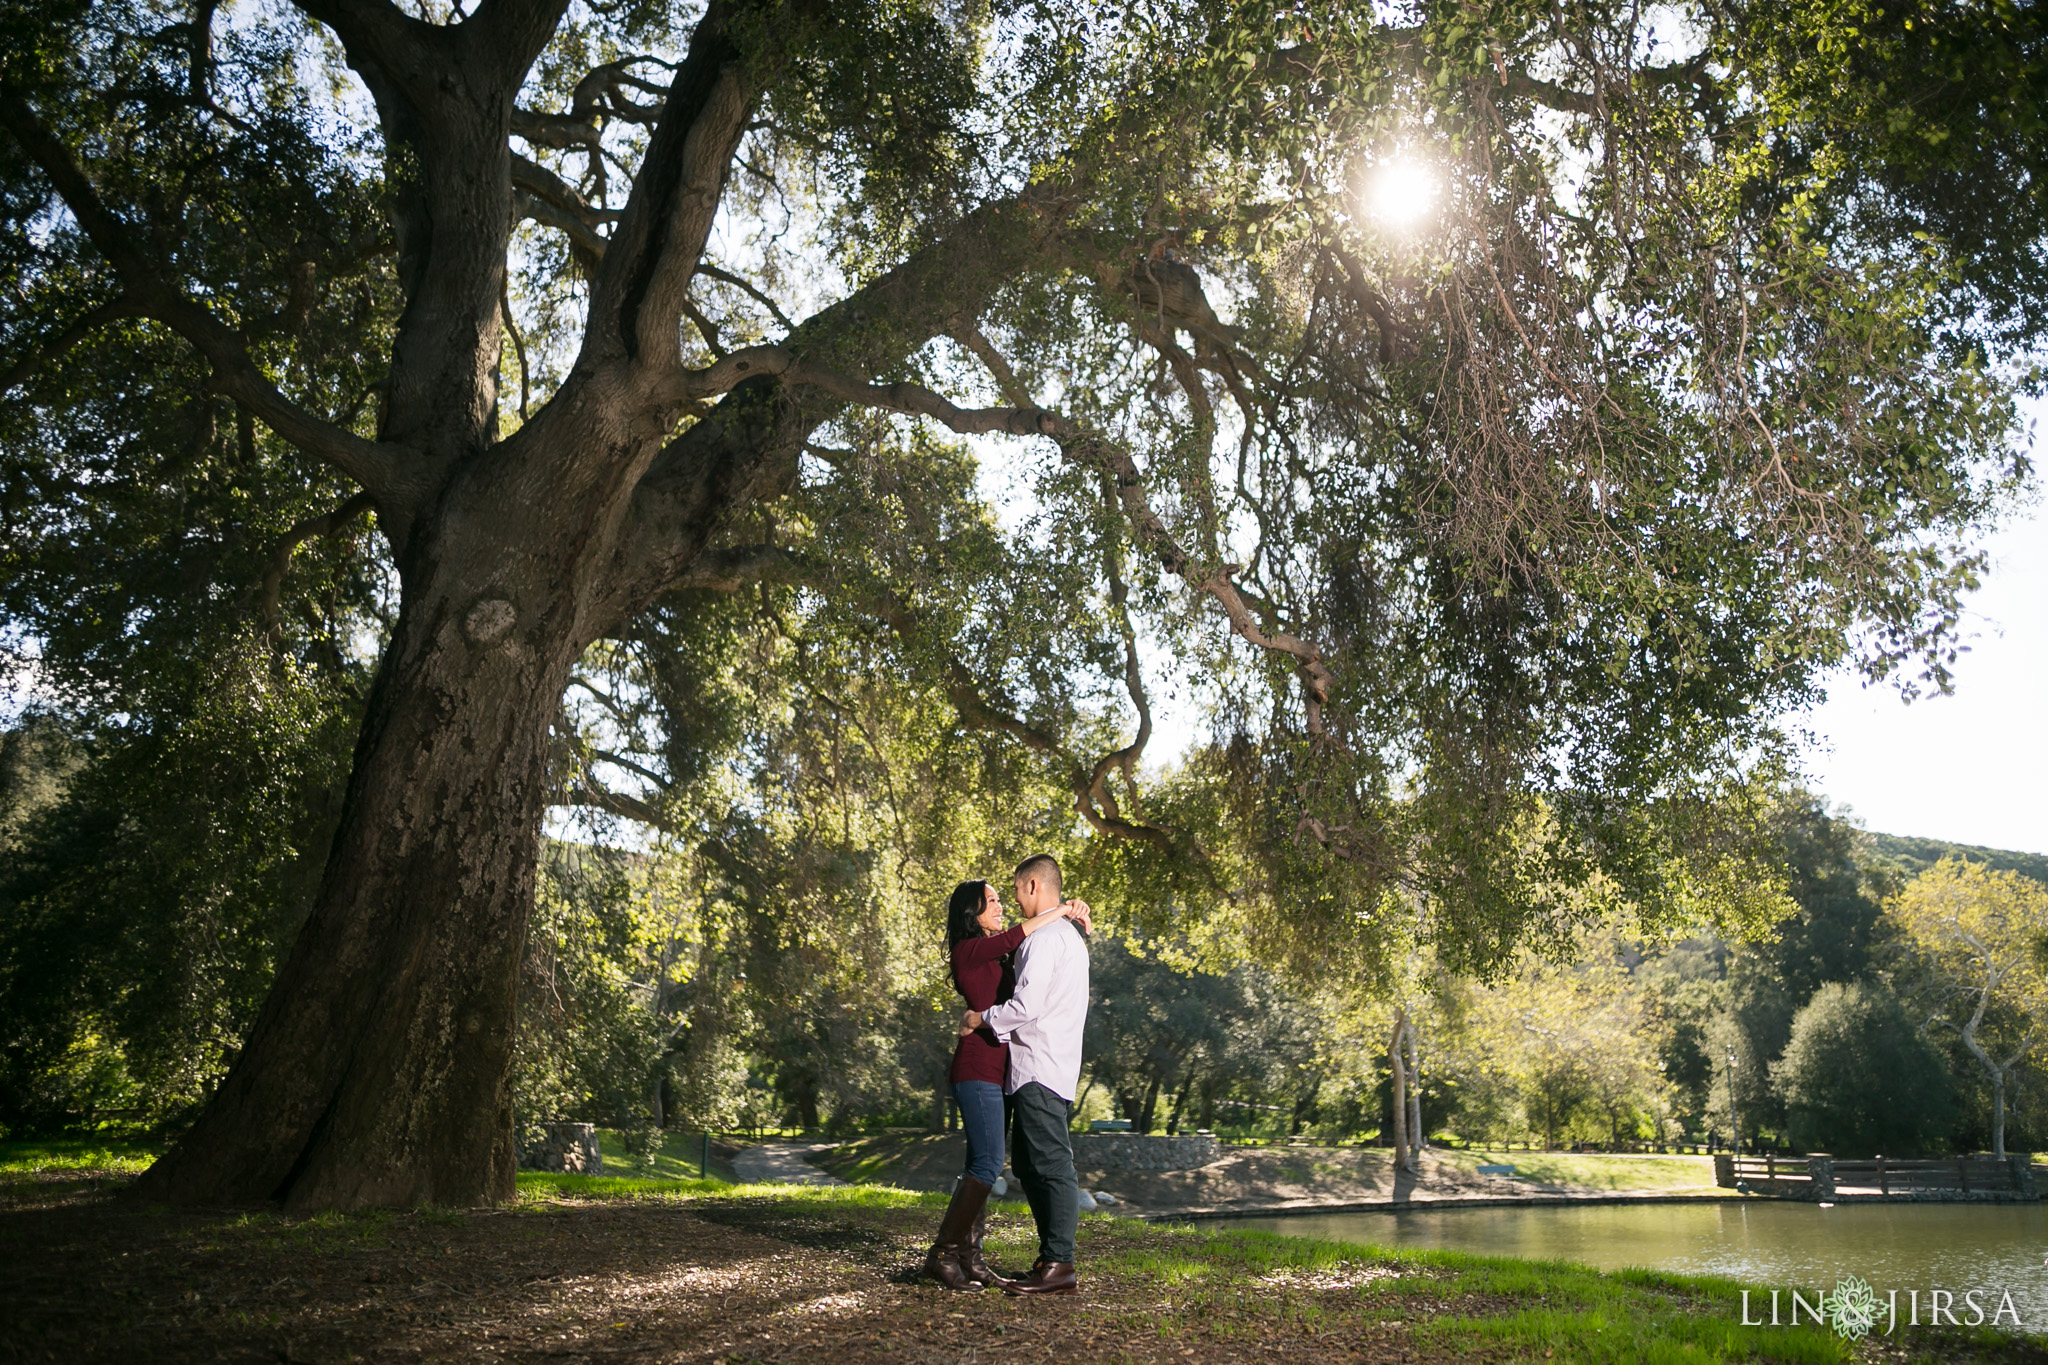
(1043, 1019)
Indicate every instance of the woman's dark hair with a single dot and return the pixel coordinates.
(963, 912)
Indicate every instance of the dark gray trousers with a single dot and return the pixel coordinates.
(1043, 1156)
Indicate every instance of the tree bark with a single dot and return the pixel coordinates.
(1414, 1097)
(377, 1071)
(1398, 1075)
(1180, 1104)
(1998, 1115)
(376, 1074)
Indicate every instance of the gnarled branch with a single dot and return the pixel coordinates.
(89, 321)
(311, 528)
(1087, 448)
(553, 202)
(733, 569)
(637, 294)
(375, 466)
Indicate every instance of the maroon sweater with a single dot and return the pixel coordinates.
(986, 980)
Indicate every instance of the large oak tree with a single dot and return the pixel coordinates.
(1508, 525)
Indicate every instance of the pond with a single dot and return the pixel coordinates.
(1997, 1248)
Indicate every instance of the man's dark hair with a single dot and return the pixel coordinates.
(1043, 866)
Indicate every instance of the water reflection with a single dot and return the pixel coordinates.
(1994, 1247)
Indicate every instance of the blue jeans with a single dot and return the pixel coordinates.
(981, 1115)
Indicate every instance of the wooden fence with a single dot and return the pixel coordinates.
(1818, 1176)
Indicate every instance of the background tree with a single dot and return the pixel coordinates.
(1980, 940)
(1718, 994)
(1165, 1031)
(1858, 1079)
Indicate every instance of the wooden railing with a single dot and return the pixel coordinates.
(1819, 1176)
(1786, 1177)
(1964, 1174)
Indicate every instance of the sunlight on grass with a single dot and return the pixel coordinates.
(80, 1154)
(542, 1186)
(1591, 1171)
(552, 1184)
(1629, 1328)
(1572, 1312)
(677, 1158)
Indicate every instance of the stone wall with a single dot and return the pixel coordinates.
(560, 1147)
(1138, 1152)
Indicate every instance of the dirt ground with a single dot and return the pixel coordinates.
(805, 1278)
(1260, 1178)
(734, 1281)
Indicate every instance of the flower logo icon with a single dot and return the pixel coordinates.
(1851, 1309)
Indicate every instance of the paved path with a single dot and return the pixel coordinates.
(781, 1163)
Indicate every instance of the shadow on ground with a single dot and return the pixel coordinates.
(94, 1279)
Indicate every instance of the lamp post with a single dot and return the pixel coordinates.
(1734, 1119)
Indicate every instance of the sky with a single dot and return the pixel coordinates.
(1970, 767)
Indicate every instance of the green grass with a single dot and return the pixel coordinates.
(1469, 1304)
(869, 1158)
(537, 1186)
(1232, 1285)
(552, 1184)
(1592, 1171)
(86, 1156)
(674, 1159)
(1178, 1285)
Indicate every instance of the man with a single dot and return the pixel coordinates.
(1042, 1022)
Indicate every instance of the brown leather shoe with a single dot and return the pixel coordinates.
(1047, 1277)
(971, 1260)
(942, 1262)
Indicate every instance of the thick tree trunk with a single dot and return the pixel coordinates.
(376, 1074)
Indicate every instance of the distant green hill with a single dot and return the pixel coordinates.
(1906, 856)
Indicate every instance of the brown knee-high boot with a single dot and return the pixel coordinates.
(956, 1229)
(971, 1260)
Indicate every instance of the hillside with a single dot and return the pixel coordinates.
(1908, 855)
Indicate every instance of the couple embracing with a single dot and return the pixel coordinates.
(1017, 1066)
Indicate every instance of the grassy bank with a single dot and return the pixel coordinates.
(677, 1157)
(617, 1268)
(1248, 1177)
(1591, 1171)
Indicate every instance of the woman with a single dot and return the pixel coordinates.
(982, 973)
